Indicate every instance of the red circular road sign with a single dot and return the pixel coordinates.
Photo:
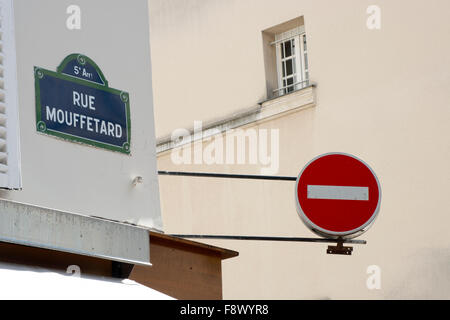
(337, 195)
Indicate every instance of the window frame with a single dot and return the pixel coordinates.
(300, 76)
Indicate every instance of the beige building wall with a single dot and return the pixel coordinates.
(382, 95)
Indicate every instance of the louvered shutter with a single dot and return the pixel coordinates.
(10, 177)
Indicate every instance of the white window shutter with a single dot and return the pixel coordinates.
(10, 176)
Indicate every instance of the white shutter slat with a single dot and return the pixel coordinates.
(3, 130)
(3, 178)
(10, 175)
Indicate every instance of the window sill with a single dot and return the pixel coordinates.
(293, 101)
(264, 111)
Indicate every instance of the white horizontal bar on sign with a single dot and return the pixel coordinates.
(338, 193)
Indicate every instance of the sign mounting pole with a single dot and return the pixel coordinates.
(338, 197)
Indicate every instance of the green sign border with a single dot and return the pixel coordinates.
(40, 73)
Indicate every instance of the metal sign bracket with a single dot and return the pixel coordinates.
(340, 249)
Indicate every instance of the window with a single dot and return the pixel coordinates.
(292, 60)
(10, 177)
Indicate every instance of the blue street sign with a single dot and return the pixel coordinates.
(76, 104)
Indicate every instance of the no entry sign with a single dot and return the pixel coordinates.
(337, 195)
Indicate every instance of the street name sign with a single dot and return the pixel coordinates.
(75, 103)
(337, 195)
